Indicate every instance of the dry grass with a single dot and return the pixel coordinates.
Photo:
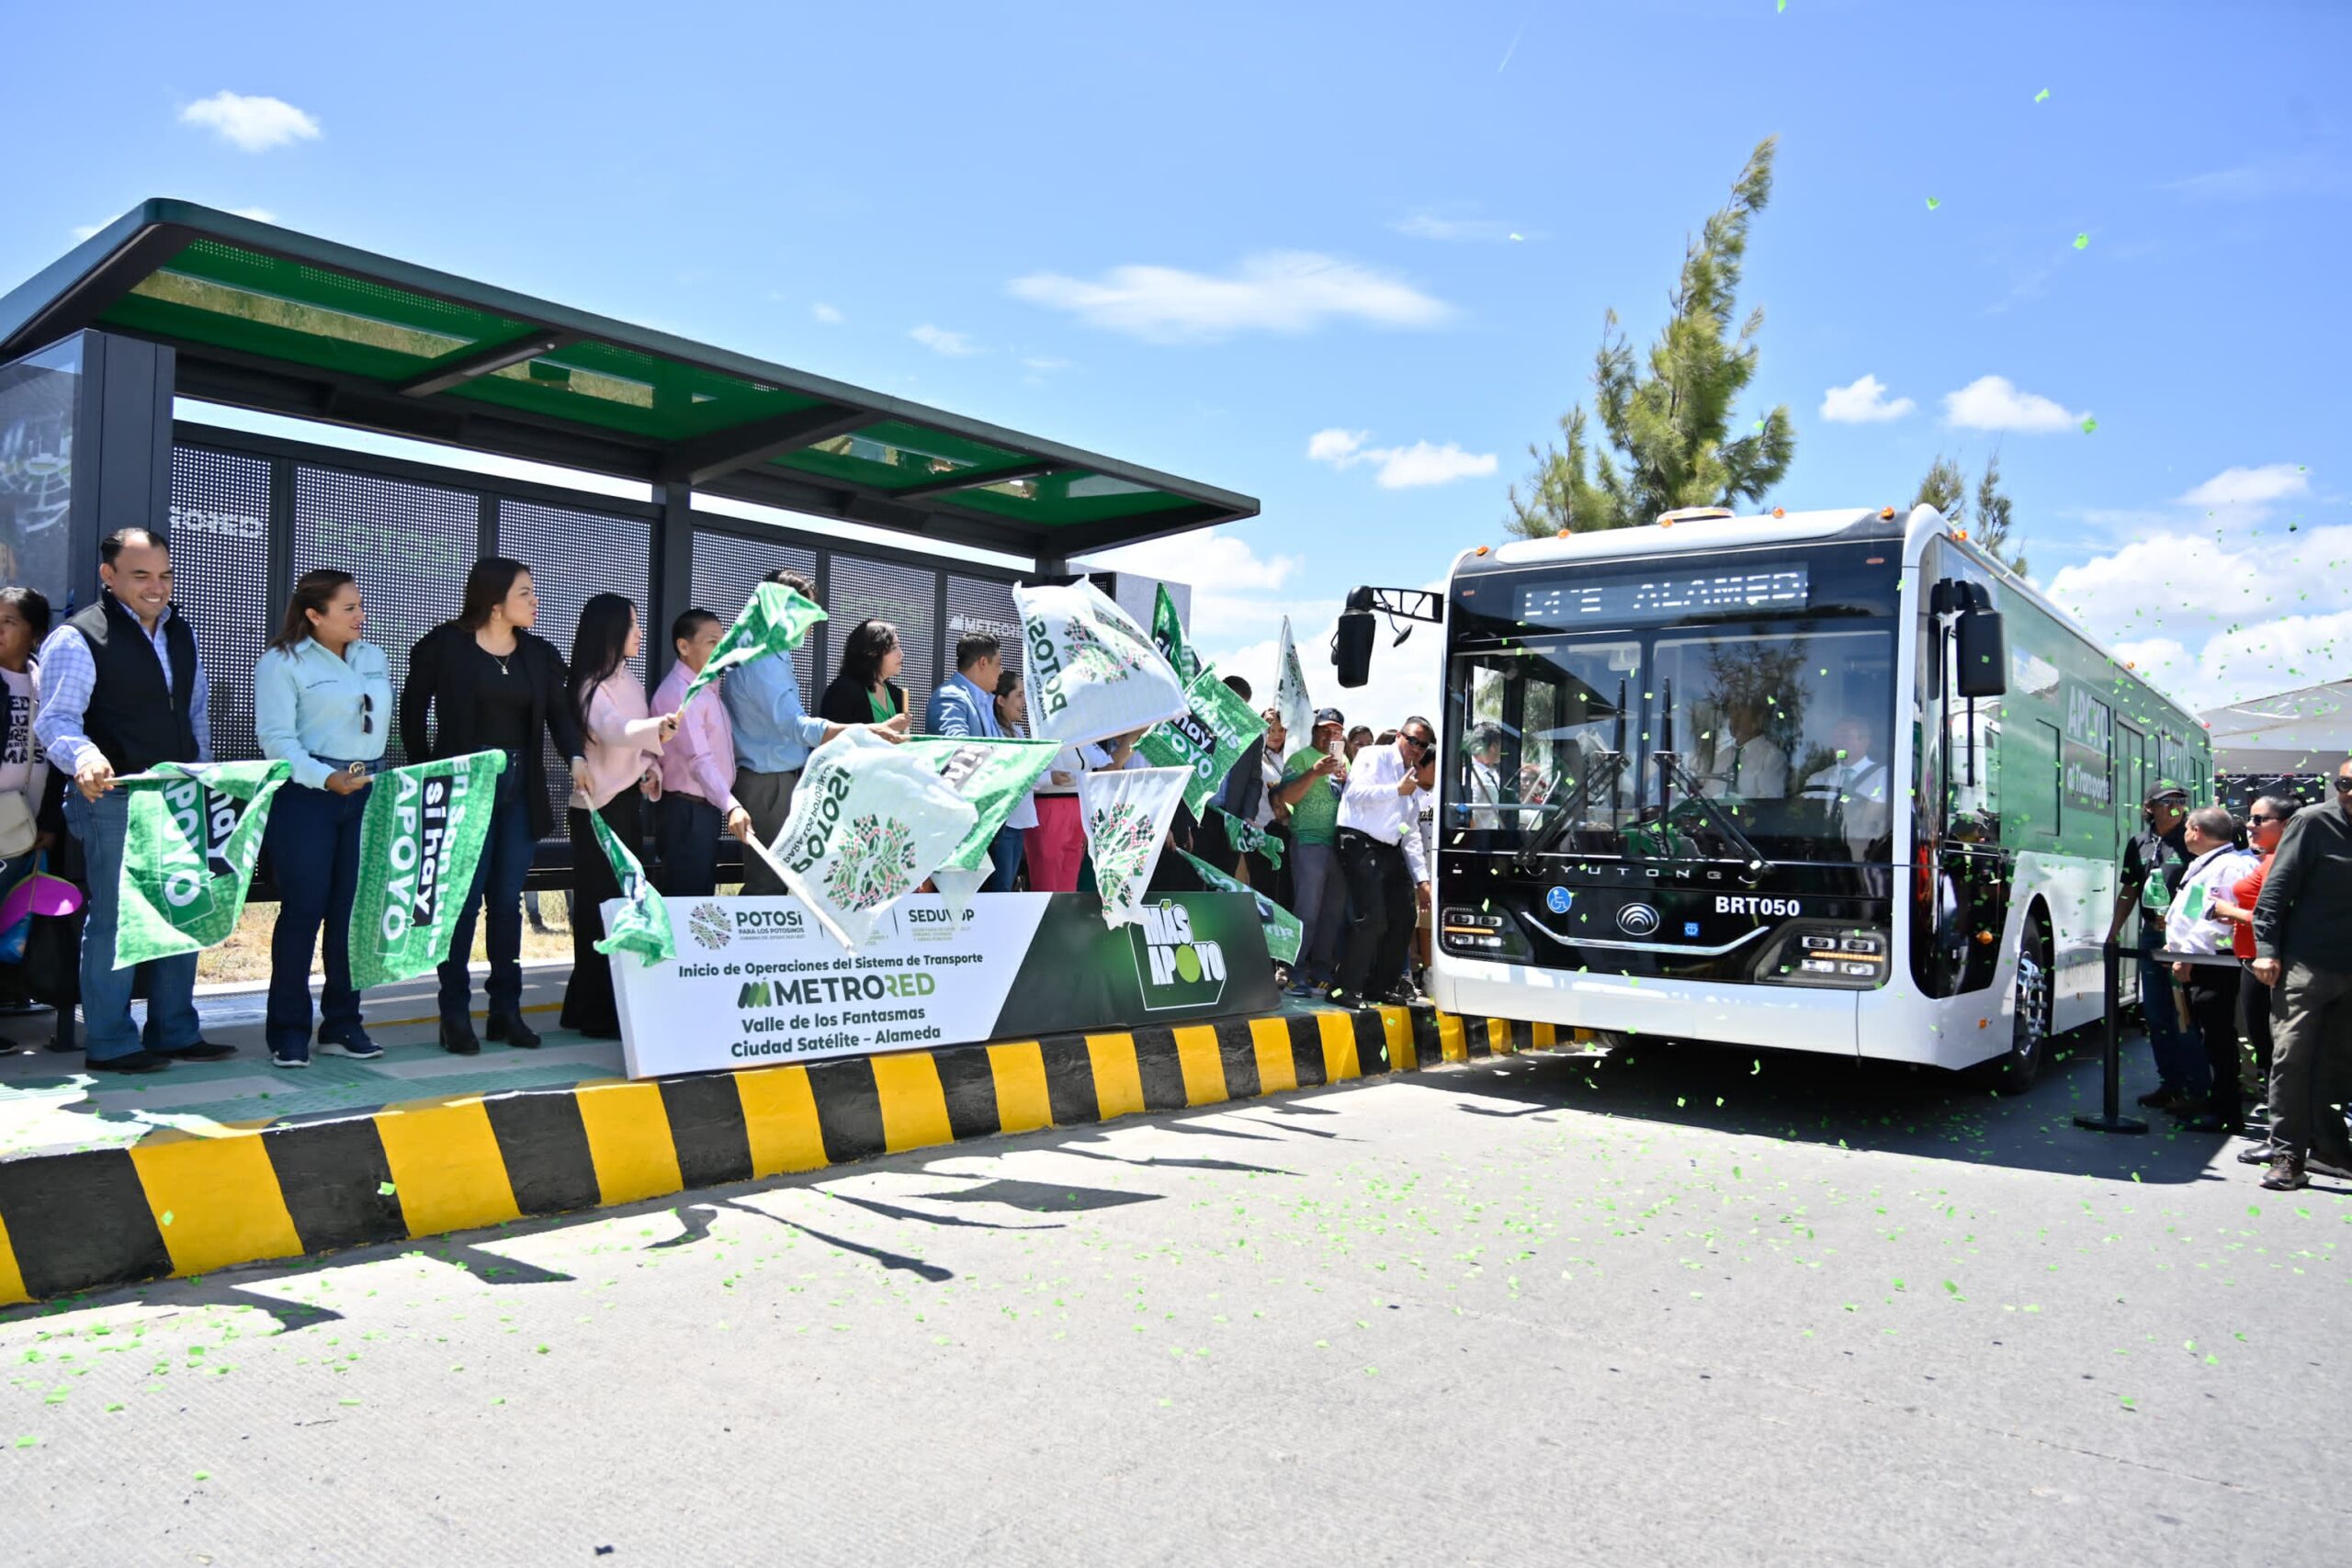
(246, 955)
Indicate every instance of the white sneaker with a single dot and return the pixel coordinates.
(277, 1061)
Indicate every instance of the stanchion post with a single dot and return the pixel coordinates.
(2111, 1119)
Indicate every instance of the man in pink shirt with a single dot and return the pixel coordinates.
(697, 770)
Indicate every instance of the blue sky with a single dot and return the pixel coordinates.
(1196, 236)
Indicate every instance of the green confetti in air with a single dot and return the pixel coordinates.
(2082, 242)
(2042, 96)
(1933, 204)
(167, 1216)
(2089, 424)
(383, 1190)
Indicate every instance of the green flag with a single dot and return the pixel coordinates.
(1249, 839)
(994, 774)
(1208, 737)
(1282, 928)
(1168, 636)
(420, 842)
(193, 834)
(775, 621)
(643, 928)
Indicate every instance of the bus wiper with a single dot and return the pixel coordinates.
(1670, 764)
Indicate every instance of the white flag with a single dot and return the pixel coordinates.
(1092, 670)
(1126, 814)
(1290, 699)
(868, 824)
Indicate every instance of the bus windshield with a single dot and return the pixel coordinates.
(1723, 737)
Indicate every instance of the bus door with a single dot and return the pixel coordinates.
(1960, 867)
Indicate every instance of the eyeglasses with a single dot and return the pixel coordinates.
(1418, 744)
(2254, 821)
(2344, 783)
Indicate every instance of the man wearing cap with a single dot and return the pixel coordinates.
(2154, 863)
(1311, 784)
(2303, 945)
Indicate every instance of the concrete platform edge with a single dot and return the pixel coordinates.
(185, 1205)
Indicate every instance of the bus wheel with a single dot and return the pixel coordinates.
(2030, 1012)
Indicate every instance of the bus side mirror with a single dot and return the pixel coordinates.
(1351, 646)
(1983, 656)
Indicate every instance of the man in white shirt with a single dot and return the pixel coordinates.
(1485, 776)
(1382, 856)
(1856, 785)
(1743, 761)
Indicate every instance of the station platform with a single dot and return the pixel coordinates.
(106, 1180)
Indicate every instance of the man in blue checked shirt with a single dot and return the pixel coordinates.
(965, 704)
(124, 690)
(774, 732)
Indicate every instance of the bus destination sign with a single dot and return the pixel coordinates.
(1628, 599)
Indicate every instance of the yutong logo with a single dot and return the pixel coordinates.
(1637, 919)
(1177, 970)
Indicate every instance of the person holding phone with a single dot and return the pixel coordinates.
(323, 704)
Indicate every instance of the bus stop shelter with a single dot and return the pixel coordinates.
(175, 300)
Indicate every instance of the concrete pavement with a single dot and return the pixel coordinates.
(1552, 1309)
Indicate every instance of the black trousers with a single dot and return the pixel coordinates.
(2212, 993)
(588, 1004)
(2254, 1018)
(1380, 914)
(685, 843)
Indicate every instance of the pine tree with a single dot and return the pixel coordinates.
(1945, 488)
(1669, 430)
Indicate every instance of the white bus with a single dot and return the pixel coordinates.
(1826, 781)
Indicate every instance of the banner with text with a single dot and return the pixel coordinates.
(420, 840)
(759, 981)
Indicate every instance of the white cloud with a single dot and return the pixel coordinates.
(86, 231)
(2239, 490)
(1400, 468)
(1233, 585)
(1863, 403)
(1994, 402)
(1429, 226)
(1045, 366)
(939, 341)
(1282, 292)
(252, 124)
(827, 314)
(2215, 615)
(258, 214)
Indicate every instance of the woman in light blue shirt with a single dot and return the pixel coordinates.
(323, 702)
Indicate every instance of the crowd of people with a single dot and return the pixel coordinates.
(2245, 940)
(122, 687)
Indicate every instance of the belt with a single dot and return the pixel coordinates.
(685, 795)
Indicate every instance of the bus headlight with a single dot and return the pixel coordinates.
(1483, 933)
(1825, 954)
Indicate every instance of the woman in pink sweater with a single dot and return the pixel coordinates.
(624, 743)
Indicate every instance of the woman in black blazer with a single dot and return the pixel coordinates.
(489, 684)
(863, 692)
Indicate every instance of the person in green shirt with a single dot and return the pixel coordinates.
(866, 691)
(1310, 789)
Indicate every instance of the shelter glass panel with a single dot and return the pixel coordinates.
(38, 394)
(980, 605)
(729, 566)
(409, 546)
(859, 590)
(220, 540)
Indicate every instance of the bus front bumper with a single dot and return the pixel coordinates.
(1771, 1017)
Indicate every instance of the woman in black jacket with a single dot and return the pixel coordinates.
(863, 692)
(490, 685)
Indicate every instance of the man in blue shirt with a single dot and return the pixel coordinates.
(965, 704)
(123, 691)
(774, 732)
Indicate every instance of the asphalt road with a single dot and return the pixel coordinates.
(1689, 1306)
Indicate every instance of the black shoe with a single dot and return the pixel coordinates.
(203, 1051)
(129, 1062)
(457, 1037)
(2285, 1173)
(510, 1027)
(2259, 1154)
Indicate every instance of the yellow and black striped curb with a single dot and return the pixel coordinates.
(183, 1204)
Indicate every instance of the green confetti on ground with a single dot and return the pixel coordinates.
(167, 1216)
(383, 1190)
(203, 1475)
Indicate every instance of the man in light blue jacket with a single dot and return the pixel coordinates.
(965, 704)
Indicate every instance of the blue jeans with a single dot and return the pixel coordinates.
(313, 844)
(107, 1029)
(2179, 1053)
(1322, 893)
(1004, 855)
(498, 884)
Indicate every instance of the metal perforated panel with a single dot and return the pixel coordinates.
(573, 556)
(409, 546)
(729, 566)
(980, 605)
(857, 589)
(220, 540)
